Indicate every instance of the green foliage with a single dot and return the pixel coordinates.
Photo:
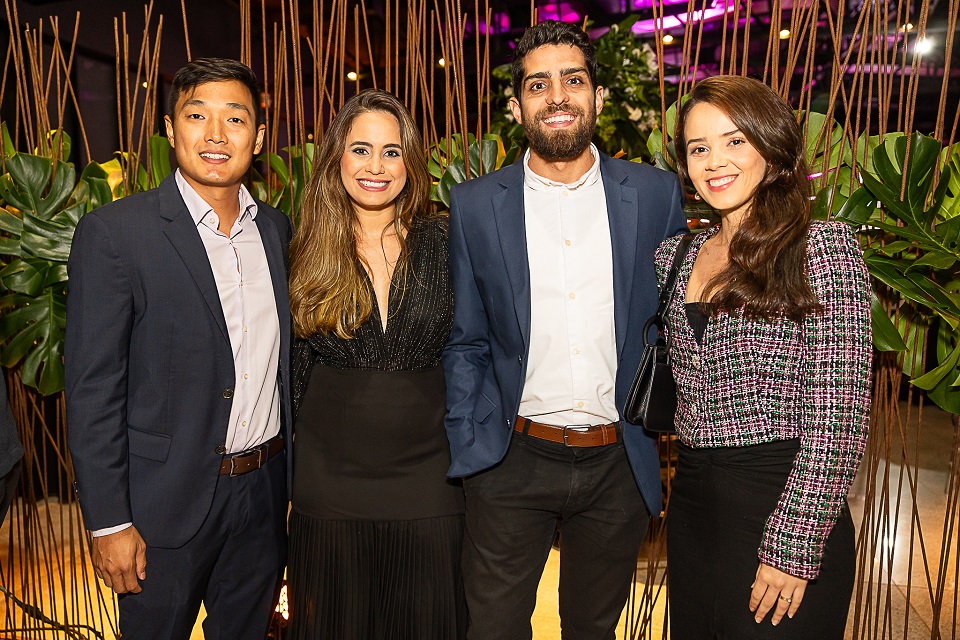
(41, 200)
(448, 168)
(282, 187)
(912, 247)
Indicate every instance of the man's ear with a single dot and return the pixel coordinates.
(261, 134)
(515, 110)
(598, 99)
(168, 123)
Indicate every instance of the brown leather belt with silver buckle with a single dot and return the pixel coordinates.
(238, 464)
(572, 435)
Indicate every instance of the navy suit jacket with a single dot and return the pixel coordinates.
(485, 360)
(149, 367)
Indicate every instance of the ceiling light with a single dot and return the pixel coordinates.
(441, 62)
(352, 76)
(922, 46)
(784, 34)
(667, 38)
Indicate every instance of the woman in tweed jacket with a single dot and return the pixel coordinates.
(772, 357)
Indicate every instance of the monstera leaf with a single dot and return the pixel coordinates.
(42, 201)
(910, 220)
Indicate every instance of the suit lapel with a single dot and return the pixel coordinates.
(183, 235)
(509, 216)
(622, 212)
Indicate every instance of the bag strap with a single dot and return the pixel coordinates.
(669, 289)
(670, 286)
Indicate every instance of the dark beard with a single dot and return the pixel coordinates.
(556, 146)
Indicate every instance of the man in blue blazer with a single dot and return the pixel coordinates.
(553, 277)
(177, 376)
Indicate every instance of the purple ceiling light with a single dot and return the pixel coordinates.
(558, 11)
(675, 19)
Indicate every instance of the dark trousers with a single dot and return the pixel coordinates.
(234, 566)
(720, 501)
(513, 513)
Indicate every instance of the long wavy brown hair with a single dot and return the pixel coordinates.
(766, 276)
(328, 288)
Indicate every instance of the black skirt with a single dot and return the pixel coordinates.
(720, 500)
(376, 529)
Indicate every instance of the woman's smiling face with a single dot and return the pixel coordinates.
(723, 166)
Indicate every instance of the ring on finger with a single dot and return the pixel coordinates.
(785, 599)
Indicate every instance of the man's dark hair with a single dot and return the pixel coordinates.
(204, 70)
(552, 32)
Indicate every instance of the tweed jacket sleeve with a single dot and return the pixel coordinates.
(837, 368)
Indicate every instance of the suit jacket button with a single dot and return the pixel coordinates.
(221, 450)
(228, 393)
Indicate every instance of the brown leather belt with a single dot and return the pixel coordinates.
(572, 435)
(238, 464)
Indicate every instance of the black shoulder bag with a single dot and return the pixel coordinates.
(652, 400)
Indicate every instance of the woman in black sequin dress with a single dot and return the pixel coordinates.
(376, 527)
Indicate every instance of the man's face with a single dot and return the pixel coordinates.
(558, 106)
(214, 133)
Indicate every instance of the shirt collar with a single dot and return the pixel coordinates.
(539, 183)
(198, 207)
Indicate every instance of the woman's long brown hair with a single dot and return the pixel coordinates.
(328, 289)
(766, 276)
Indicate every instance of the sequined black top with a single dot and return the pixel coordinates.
(420, 314)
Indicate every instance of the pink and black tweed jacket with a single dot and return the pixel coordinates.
(752, 382)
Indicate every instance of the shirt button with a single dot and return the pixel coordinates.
(244, 329)
(565, 193)
(243, 424)
(573, 296)
(566, 242)
(580, 405)
(246, 375)
(213, 220)
(220, 450)
(228, 393)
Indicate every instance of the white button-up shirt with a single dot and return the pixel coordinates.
(572, 363)
(242, 274)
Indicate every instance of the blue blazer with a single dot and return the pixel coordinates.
(485, 360)
(149, 367)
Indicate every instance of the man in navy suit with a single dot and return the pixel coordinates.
(177, 376)
(553, 277)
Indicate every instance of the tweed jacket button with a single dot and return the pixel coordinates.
(228, 393)
(220, 450)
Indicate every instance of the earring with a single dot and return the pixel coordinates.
(696, 196)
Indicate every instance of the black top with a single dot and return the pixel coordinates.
(420, 314)
(697, 319)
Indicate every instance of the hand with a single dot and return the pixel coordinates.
(774, 589)
(119, 559)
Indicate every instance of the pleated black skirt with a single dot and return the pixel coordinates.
(720, 500)
(367, 580)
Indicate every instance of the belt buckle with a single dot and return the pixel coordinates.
(584, 428)
(260, 451)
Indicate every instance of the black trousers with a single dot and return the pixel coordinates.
(513, 513)
(234, 566)
(720, 500)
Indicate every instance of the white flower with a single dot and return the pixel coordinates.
(508, 92)
(629, 90)
(626, 62)
(635, 114)
(636, 53)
